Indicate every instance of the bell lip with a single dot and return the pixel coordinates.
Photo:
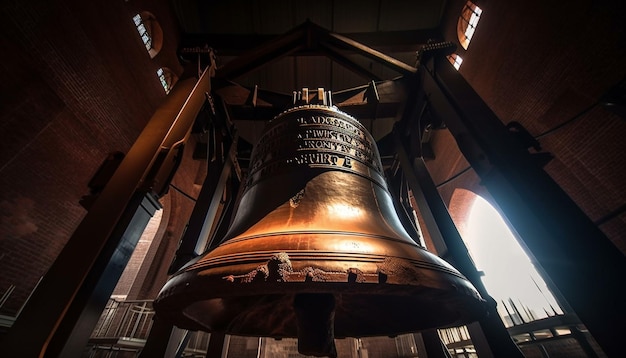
(209, 287)
(441, 293)
(443, 308)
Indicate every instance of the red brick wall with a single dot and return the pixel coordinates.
(130, 274)
(77, 84)
(542, 63)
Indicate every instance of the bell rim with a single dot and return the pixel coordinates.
(450, 307)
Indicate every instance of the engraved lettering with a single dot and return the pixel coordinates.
(312, 141)
(340, 123)
(330, 134)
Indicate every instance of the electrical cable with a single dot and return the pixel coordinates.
(182, 192)
(546, 133)
(454, 177)
(567, 122)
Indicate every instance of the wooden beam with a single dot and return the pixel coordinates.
(578, 257)
(388, 61)
(268, 52)
(341, 59)
(238, 44)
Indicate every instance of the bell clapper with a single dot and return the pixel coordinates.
(315, 316)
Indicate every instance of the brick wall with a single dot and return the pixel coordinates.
(77, 85)
(542, 64)
(545, 65)
(139, 255)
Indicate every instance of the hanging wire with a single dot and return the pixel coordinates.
(567, 122)
(454, 176)
(578, 116)
(182, 192)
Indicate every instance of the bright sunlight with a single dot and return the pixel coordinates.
(510, 277)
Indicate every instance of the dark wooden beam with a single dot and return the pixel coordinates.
(371, 111)
(450, 246)
(248, 113)
(578, 257)
(388, 61)
(335, 55)
(311, 38)
(361, 111)
(235, 94)
(98, 238)
(238, 44)
(268, 52)
(390, 103)
(390, 91)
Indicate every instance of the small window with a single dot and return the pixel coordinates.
(149, 31)
(467, 23)
(167, 78)
(455, 60)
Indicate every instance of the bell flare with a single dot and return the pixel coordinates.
(386, 296)
(316, 223)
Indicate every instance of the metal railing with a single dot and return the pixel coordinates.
(5, 320)
(124, 326)
(127, 319)
(555, 333)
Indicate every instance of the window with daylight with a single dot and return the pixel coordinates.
(509, 275)
(467, 23)
(167, 78)
(455, 60)
(149, 31)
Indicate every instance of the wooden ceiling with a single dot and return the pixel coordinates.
(279, 47)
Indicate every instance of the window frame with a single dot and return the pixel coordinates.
(468, 21)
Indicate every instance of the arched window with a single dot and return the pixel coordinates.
(455, 60)
(150, 32)
(167, 77)
(509, 275)
(467, 23)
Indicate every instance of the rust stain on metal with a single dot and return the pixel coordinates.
(316, 275)
(278, 268)
(355, 275)
(397, 269)
(295, 200)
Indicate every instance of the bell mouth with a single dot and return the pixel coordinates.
(275, 315)
(392, 297)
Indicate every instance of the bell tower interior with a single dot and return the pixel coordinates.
(184, 178)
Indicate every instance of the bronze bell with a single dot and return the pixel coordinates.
(316, 249)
